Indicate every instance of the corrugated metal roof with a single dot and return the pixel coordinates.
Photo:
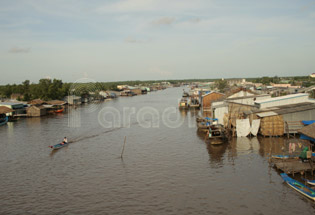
(248, 97)
(308, 130)
(265, 114)
(284, 109)
(11, 103)
(282, 98)
(295, 108)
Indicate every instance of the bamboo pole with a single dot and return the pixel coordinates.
(123, 149)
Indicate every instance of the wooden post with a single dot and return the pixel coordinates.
(122, 152)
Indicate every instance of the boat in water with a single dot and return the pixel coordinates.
(311, 182)
(4, 120)
(216, 134)
(58, 146)
(298, 186)
(183, 104)
(59, 110)
(285, 156)
(203, 123)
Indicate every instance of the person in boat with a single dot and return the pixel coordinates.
(65, 140)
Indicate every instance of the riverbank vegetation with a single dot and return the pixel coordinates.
(47, 89)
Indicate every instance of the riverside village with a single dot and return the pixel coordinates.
(228, 114)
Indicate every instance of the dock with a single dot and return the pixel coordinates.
(292, 166)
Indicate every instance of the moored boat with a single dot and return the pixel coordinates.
(216, 134)
(59, 110)
(4, 120)
(284, 156)
(183, 104)
(298, 186)
(311, 182)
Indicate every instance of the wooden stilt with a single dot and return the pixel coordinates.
(123, 149)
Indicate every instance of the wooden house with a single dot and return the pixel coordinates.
(37, 102)
(209, 98)
(17, 107)
(5, 111)
(73, 100)
(136, 91)
(36, 111)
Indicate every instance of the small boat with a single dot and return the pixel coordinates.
(58, 146)
(4, 120)
(216, 134)
(311, 182)
(59, 110)
(284, 156)
(183, 104)
(203, 124)
(298, 186)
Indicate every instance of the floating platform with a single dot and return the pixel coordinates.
(292, 166)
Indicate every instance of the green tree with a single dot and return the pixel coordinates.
(221, 85)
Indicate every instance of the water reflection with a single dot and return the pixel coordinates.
(164, 171)
(216, 154)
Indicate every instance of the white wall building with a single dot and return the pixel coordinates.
(284, 100)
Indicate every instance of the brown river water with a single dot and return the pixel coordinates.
(167, 168)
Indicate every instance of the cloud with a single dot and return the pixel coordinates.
(164, 21)
(17, 50)
(151, 6)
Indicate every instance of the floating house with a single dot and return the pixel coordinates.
(127, 93)
(232, 108)
(3, 114)
(104, 94)
(37, 102)
(209, 98)
(36, 111)
(285, 119)
(19, 108)
(73, 100)
(136, 91)
(283, 100)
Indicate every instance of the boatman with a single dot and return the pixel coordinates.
(65, 141)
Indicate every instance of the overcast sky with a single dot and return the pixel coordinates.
(155, 39)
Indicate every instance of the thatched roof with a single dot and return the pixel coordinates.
(37, 102)
(308, 130)
(233, 91)
(35, 107)
(4, 110)
(56, 102)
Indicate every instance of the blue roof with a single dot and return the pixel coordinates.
(308, 122)
(10, 103)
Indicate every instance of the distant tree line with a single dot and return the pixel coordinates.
(304, 81)
(46, 89)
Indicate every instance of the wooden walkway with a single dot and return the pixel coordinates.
(292, 166)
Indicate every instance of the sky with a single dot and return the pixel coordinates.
(119, 40)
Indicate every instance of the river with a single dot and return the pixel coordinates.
(167, 168)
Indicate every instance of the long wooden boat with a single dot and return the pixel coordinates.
(216, 134)
(311, 182)
(284, 156)
(298, 186)
(4, 121)
(58, 146)
(183, 104)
